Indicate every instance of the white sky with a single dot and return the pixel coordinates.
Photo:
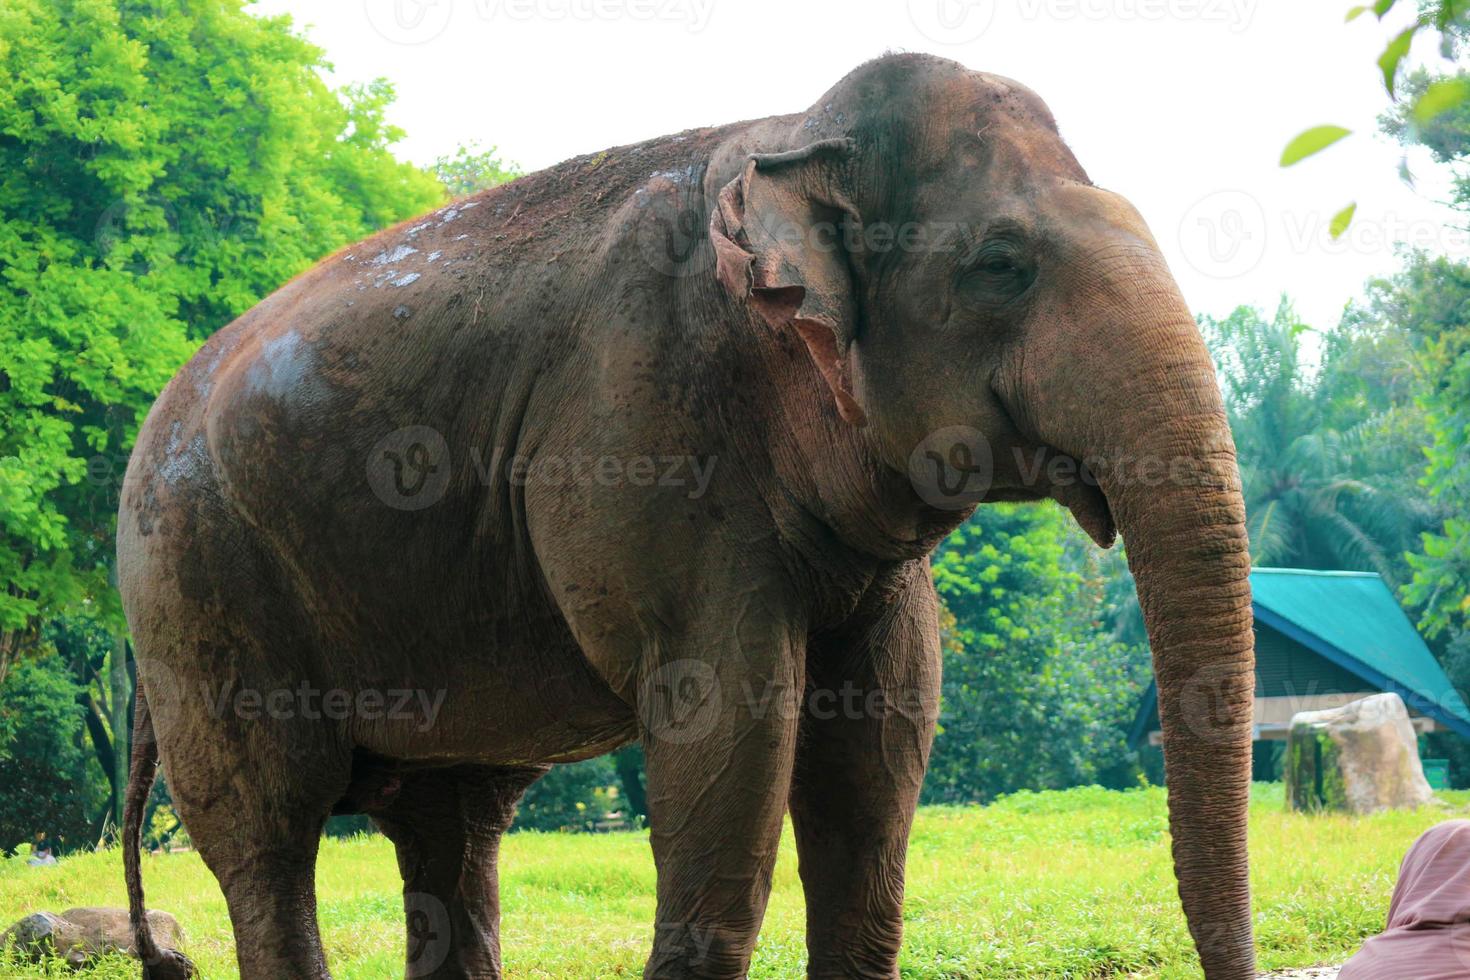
(1181, 105)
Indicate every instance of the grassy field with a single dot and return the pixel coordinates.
(1072, 884)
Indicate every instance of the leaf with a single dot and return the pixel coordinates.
(1448, 11)
(1382, 7)
(1314, 140)
(1405, 174)
(1393, 54)
(1355, 12)
(1341, 220)
(1440, 97)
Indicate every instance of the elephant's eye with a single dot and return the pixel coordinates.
(997, 270)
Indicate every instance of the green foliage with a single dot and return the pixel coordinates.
(1446, 134)
(1036, 693)
(43, 767)
(1444, 744)
(1431, 299)
(1441, 582)
(578, 796)
(1441, 96)
(1428, 306)
(471, 169)
(1327, 459)
(163, 165)
(1426, 100)
(163, 827)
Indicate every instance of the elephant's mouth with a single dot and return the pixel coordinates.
(1089, 507)
(1077, 490)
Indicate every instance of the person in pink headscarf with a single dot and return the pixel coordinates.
(1428, 934)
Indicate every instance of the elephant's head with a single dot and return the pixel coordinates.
(952, 270)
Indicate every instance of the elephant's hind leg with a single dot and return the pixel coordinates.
(446, 825)
(257, 825)
(270, 889)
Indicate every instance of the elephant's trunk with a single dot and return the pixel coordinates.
(1157, 431)
(1187, 549)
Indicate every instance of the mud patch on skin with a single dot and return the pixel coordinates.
(204, 380)
(395, 255)
(286, 371)
(186, 464)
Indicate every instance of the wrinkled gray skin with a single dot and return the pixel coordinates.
(675, 299)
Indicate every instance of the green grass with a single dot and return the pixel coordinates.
(1071, 884)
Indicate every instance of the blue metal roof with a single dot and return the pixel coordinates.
(1353, 620)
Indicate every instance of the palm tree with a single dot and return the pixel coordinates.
(1328, 459)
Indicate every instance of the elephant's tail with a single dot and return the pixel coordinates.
(158, 964)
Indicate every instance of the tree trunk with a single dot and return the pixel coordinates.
(629, 763)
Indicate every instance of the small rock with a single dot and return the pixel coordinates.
(1362, 758)
(80, 935)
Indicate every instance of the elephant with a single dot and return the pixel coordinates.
(655, 445)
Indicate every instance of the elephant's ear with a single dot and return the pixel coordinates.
(777, 237)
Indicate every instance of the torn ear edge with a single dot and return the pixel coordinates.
(790, 282)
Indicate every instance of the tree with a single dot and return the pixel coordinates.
(94, 659)
(1445, 135)
(1431, 298)
(471, 169)
(1325, 459)
(163, 165)
(45, 785)
(578, 796)
(1036, 693)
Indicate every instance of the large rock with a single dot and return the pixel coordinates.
(83, 934)
(1362, 757)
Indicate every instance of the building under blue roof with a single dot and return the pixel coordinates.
(1324, 639)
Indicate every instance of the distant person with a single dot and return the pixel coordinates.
(1428, 934)
(43, 852)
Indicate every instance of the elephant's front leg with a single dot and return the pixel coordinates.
(867, 724)
(719, 722)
